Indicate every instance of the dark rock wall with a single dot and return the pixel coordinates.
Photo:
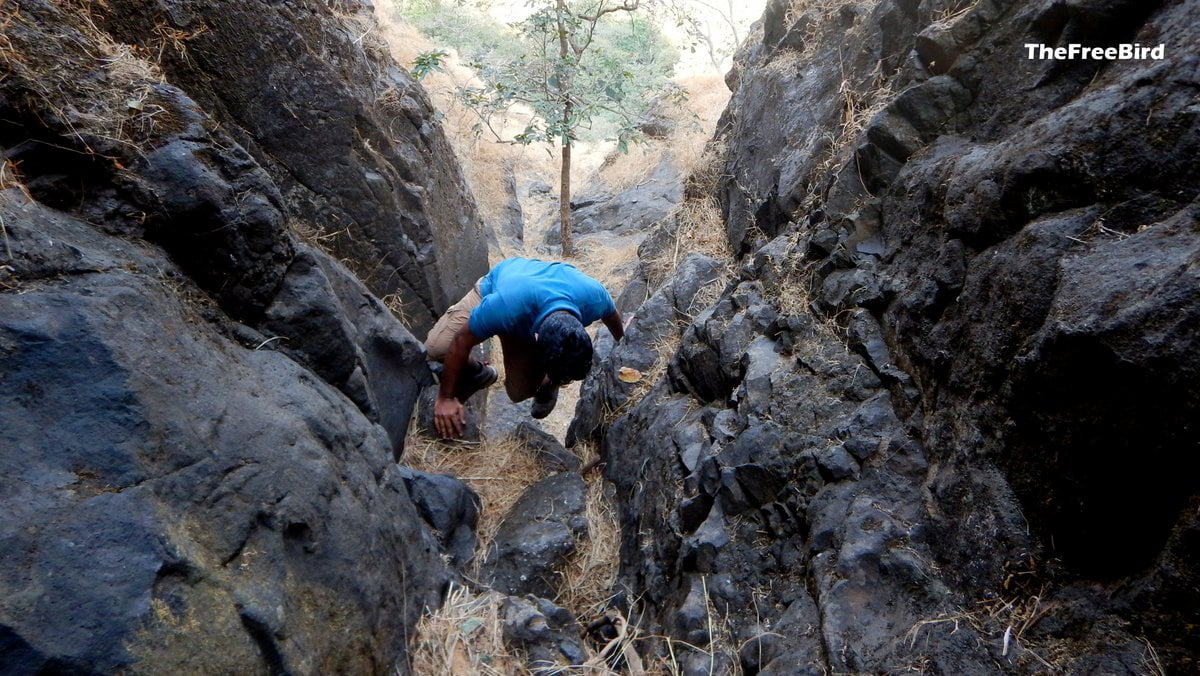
(176, 499)
(348, 137)
(200, 414)
(958, 366)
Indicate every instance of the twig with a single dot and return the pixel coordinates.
(264, 343)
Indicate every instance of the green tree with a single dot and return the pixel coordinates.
(566, 76)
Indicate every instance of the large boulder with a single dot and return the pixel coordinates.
(179, 500)
(766, 480)
(538, 534)
(632, 210)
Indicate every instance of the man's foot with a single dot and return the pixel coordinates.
(470, 383)
(544, 401)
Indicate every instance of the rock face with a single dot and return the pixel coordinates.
(958, 367)
(176, 499)
(657, 325)
(348, 137)
(632, 210)
(201, 414)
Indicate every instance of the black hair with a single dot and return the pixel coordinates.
(566, 349)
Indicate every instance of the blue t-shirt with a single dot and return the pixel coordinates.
(519, 292)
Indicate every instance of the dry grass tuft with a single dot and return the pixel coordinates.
(699, 228)
(395, 303)
(591, 572)
(78, 79)
(464, 636)
(707, 170)
(791, 292)
(1005, 621)
(859, 105)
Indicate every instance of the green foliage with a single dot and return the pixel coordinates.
(463, 27)
(625, 67)
(427, 62)
(598, 92)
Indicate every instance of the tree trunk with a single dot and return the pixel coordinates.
(564, 201)
(564, 188)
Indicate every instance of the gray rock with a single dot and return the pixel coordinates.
(392, 360)
(537, 535)
(503, 415)
(449, 507)
(632, 210)
(475, 410)
(547, 634)
(790, 646)
(632, 296)
(837, 463)
(548, 450)
(306, 318)
(512, 222)
(654, 323)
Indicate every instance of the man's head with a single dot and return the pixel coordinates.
(565, 347)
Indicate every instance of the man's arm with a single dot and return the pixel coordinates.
(448, 414)
(616, 326)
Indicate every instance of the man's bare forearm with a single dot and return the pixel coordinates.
(456, 359)
(616, 326)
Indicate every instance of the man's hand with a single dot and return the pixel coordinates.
(449, 417)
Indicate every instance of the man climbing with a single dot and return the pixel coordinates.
(539, 311)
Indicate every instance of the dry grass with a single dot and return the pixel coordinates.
(78, 79)
(698, 225)
(591, 572)
(698, 228)
(1006, 621)
(859, 105)
(609, 265)
(464, 636)
(694, 123)
(954, 9)
(792, 279)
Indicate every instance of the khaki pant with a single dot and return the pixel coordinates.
(522, 375)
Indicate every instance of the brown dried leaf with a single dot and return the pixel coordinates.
(628, 375)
